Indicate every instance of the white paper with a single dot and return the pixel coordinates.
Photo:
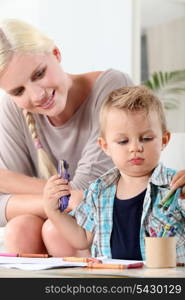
(119, 261)
(30, 260)
(27, 263)
(37, 266)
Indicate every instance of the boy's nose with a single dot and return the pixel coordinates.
(136, 147)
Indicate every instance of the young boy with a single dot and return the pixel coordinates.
(121, 207)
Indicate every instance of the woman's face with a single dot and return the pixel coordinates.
(36, 82)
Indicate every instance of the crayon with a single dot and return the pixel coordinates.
(114, 266)
(165, 198)
(63, 172)
(168, 202)
(166, 230)
(171, 231)
(34, 255)
(152, 232)
(180, 264)
(83, 259)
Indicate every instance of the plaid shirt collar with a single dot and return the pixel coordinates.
(157, 178)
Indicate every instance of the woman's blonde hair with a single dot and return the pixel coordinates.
(17, 36)
(133, 98)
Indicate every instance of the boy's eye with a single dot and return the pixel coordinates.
(147, 139)
(39, 74)
(122, 142)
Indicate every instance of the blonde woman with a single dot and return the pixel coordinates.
(46, 115)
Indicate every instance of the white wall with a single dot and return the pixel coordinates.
(26, 10)
(155, 12)
(164, 25)
(92, 34)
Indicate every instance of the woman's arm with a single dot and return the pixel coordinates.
(25, 204)
(32, 203)
(26, 195)
(15, 183)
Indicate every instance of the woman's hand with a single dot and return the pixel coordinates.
(54, 189)
(179, 181)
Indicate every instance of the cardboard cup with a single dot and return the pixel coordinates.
(160, 252)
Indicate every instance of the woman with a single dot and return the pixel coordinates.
(46, 115)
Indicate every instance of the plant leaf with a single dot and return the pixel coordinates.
(168, 86)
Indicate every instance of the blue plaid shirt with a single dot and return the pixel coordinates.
(95, 213)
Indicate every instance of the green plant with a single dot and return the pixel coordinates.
(168, 86)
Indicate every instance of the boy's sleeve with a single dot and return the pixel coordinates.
(85, 213)
(181, 203)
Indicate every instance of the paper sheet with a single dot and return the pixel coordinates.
(119, 261)
(27, 263)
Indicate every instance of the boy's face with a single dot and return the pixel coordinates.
(134, 141)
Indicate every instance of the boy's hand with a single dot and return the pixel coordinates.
(54, 189)
(74, 200)
(179, 181)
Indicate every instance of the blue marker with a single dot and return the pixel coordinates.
(63, 172)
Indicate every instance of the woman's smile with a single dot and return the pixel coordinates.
(49, 102)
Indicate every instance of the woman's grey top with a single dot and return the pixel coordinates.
(75, 141)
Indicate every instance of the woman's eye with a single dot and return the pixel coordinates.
(39, 74)
(19, 92)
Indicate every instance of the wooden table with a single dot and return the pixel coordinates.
(79, 272)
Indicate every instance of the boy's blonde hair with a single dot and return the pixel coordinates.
(17, 36)
(133, 98)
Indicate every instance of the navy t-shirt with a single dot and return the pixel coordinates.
(126, 228)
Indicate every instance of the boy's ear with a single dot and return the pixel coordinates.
(103, 145)
(165, 139)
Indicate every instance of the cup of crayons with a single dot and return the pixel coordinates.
(160, 247)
